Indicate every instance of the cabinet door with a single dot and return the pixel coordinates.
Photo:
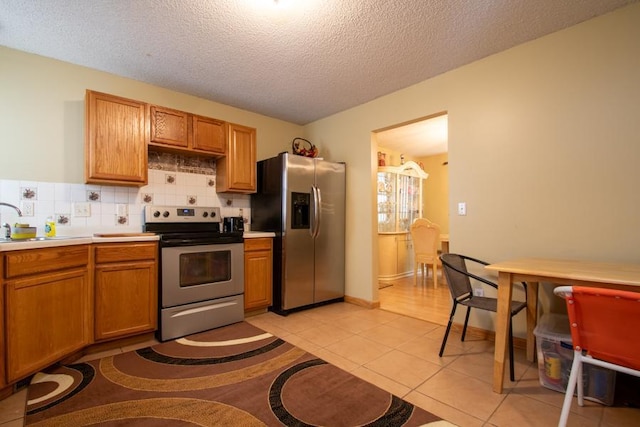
(387, 256)
(209, 135)
(237, 171)
(126, 299)
(3, 378)
(405, 255)
(47, 318)
(170, 127)
(258, 273)
(116, 140)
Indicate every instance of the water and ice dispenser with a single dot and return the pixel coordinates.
(300, 213)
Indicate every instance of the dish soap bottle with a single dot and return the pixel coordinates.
(50, 227)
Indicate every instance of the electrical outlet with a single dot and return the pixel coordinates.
(27, 208)
(82, 209)
(122, 210)
(462, 208)
(479, 292)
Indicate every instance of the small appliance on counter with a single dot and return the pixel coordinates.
(233, 224)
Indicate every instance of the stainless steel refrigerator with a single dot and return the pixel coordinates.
(302, 200)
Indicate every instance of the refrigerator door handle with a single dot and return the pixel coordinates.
(317, 206)
(315, 229)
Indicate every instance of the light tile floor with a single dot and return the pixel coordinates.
(400, 354)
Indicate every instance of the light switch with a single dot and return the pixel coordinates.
(462, 208)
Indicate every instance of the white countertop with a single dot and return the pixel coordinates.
(67, 241)
(256, 234)
(84, 240)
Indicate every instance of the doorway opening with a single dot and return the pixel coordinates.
(412, 183)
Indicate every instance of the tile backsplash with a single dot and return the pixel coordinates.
(84, 209)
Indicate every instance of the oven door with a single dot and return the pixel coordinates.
(199, 273)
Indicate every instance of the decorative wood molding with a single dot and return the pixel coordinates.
(361, 302)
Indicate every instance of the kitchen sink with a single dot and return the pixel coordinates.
(32, 239)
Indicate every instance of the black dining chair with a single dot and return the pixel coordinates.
(459, 281)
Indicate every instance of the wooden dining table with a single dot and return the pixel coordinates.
(549, 271)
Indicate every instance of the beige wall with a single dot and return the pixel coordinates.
(435, 192)
(42, 105)
(544, 143)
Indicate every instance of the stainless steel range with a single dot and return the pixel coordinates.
(201, 270)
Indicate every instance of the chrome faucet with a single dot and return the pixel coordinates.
(11, 206)
(8, 227)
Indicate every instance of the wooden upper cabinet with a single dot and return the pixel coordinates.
(169, 127)
(115, 140)
(175, 130)
(236, 172)
(209, 135)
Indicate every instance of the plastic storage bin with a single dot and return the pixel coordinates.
(555, 356)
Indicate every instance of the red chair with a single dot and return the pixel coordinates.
(604, 332)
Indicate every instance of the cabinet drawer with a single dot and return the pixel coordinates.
(116, 252)
(34, 261)
(259, 244)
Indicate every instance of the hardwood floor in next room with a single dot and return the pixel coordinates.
(419, 301)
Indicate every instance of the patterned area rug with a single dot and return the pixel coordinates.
(235, 375)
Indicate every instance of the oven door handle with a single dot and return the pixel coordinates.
(200, 242)
(176, 242)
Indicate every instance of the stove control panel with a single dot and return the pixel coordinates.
(181, 214)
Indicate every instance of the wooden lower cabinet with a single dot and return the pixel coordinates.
(47, 318)
(51, 308)
(3, 378)
(126, 289)
(395, 256)
(405, 254)
(258, 273)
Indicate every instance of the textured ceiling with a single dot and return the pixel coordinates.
(419, 139)
(297, 61)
